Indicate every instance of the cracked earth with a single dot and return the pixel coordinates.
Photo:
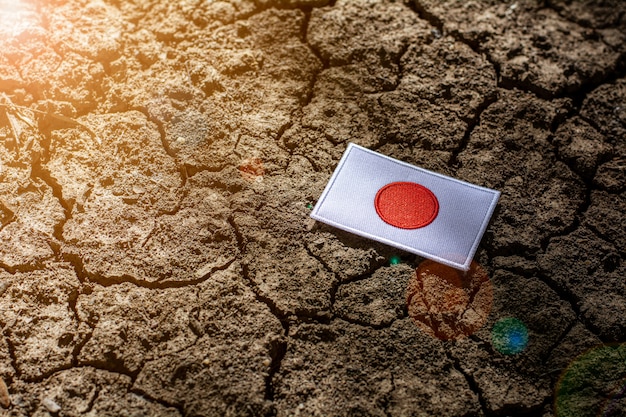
(158, 163)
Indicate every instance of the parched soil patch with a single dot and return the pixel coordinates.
(159, 162)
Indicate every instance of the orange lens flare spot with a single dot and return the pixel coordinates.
(447, 303)
(252, 169)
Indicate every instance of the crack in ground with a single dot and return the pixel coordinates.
(576, 223)
(92, 401)
(190, 171)
(507, 83)
(578, 97)
(11, 348)
(549, 5)
(387, 399)
(454, 162)
(424, 14)
(333, 294)
(278, 348)
(8, 216)
(336, 282)
(180, 407)
(607, 239)
(315, 167)
(79, 346)
(566, 295)
(325, 62)
(260, 7)
(86, 276)
(485, 345)
(182, 168)
(561, 291)
(361, 323)
(398, 61)
(471, 382)
(36, 266)
(57, 191)
(558, 342)
(269, 302)
(73, 299)
(110, 364)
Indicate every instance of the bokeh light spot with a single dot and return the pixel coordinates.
(447, 303)
(395, 260)
(252, 169)
(509, 336)
(594, 384)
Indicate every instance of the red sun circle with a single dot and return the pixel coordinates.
(406, 205)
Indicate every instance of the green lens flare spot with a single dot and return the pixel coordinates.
(593, 384)
(395, 260)
(509, 336)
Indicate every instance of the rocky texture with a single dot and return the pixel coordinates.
(605, 109)
(40, 328)
(158, 162)
(506, 383)
(511, 150)
(85, 391)
(342, 369)
(532, 47)
(225, 368)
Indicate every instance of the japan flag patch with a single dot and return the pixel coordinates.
(410, 208)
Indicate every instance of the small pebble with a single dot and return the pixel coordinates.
(266, 362)
(5, 400)
(206, 362)
(51, 405)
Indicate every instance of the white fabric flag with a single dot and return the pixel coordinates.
(410, 208)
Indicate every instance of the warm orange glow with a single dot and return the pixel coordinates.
(448, 304)
(16, 16)
(252, 169)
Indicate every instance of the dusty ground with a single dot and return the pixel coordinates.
(158, 162)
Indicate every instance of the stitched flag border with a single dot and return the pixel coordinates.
(348, 203)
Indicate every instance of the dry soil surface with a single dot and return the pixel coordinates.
(159, 160)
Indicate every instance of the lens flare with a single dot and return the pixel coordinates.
(447, 303)
(594, 384)
(252, 169)
(509, 336)
(16, 17)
